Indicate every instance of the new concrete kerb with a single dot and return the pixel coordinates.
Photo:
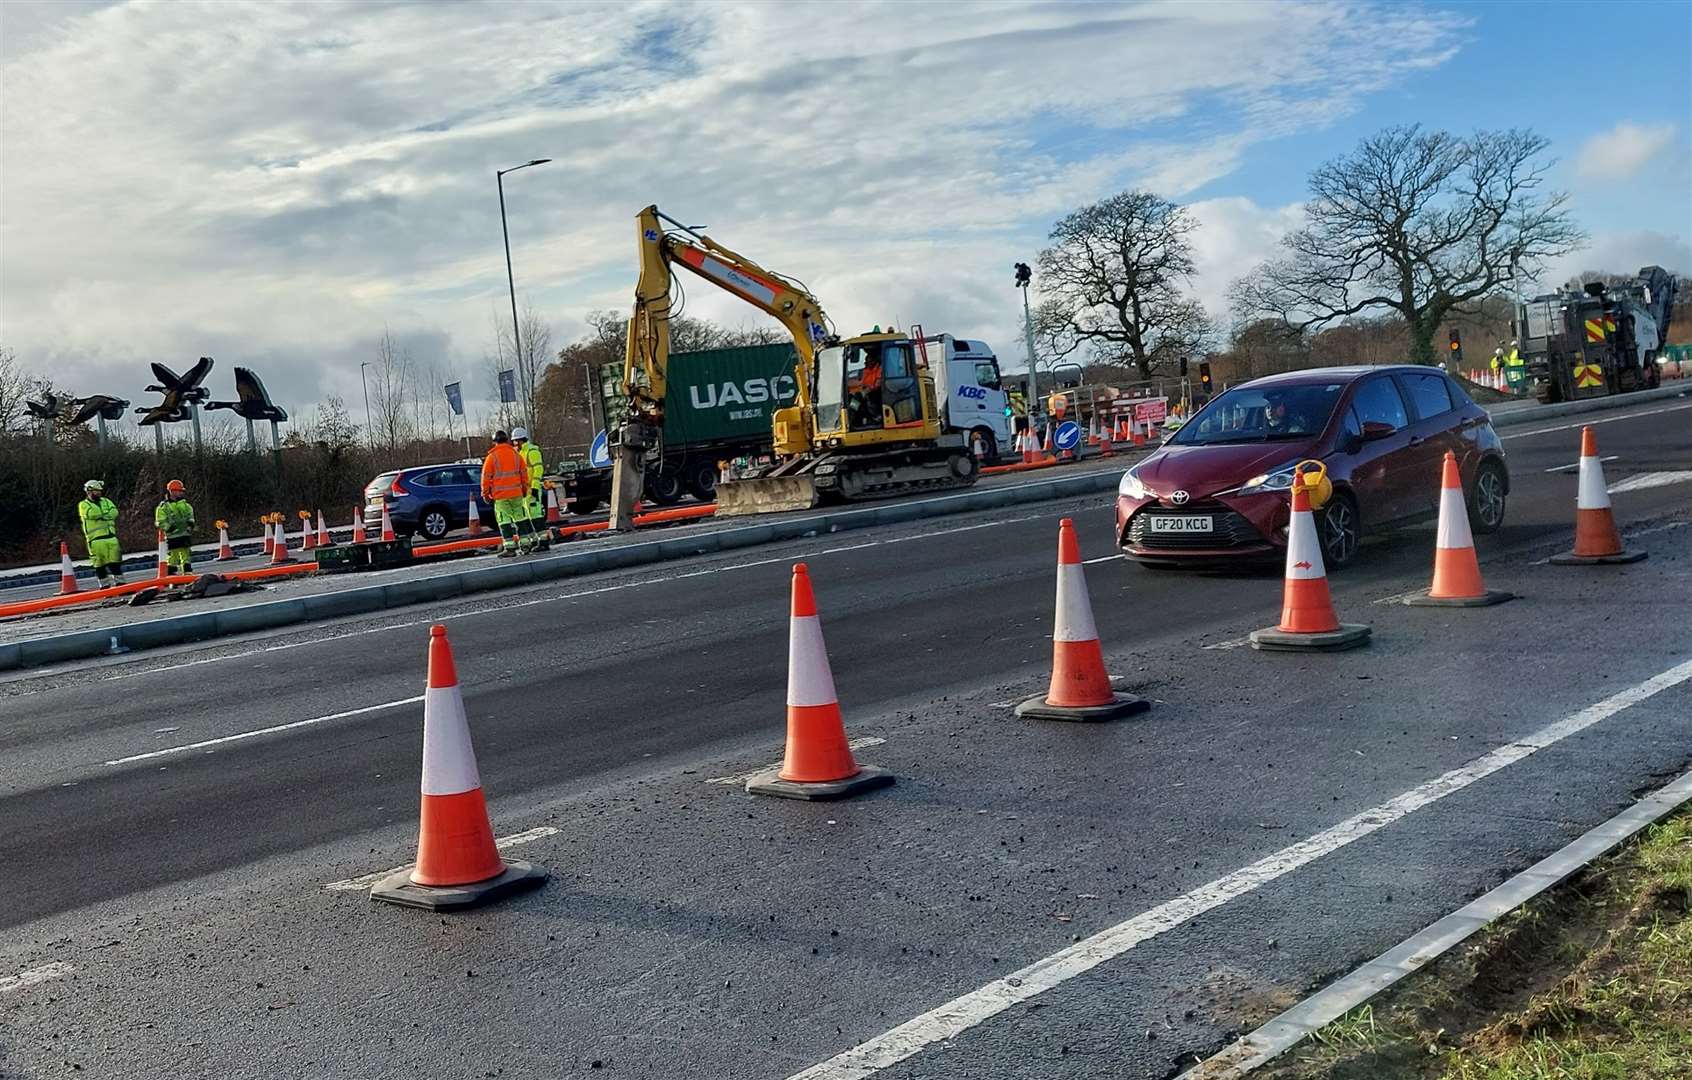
(203, 626)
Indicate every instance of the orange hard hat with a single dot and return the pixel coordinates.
(176, 485)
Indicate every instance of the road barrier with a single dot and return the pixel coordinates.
(458, 864)
(817, 763)
(1597, 540)
(1308, 620)
(1080, 688)
(1457, 573)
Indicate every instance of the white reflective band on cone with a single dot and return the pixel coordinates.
(809, 679)
(449, 762)
(1592, 495)
(1074, 620)
(1453, 520)
(1304, 554)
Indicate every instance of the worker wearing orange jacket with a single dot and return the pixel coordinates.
(505, 483)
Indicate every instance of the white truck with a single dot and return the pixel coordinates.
(970, 392)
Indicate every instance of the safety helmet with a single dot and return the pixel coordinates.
(176, 487)
(94, 485)
(520, 434)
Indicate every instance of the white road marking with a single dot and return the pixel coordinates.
(1101, 558)
(203, 743)
(1651, 480)
(1590, 423)
(1399, 598)
(1575, 464)
(855, 744)
(23, 980)
(364, 881)
(968, 1010)
(577, 594)
(1232, 643)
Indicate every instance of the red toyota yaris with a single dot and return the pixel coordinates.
(1216, 491)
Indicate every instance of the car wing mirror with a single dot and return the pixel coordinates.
(1374, 429)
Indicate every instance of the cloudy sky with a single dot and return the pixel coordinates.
(274, 184)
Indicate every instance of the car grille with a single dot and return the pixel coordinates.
(1230, 529)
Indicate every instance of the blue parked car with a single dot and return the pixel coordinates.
(426, 500)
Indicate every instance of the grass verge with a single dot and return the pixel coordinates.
(1590, 981)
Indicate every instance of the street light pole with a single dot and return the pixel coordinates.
(510, 279)
(1023, 277)
(369, 431)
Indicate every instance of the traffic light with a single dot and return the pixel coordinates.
(1456, 347)
(1204, 375)
(1183, 367)
(1023, 275)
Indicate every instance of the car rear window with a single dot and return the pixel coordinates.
(1427, 393)
(1379, 402)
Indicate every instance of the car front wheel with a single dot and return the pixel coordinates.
(433, 523)
(1486, 499)
(1338, 528)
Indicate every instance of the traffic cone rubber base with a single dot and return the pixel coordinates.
(1486, 599)
(1120, 705)
(1569, 558)
(398, 888)
(1274, 639)
(769, 782)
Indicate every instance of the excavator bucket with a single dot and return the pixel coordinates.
(765, 495)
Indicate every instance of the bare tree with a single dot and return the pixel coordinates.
(1417, 222)
(1113, 279)
(390, 390)
(527, 360)
(16, 385)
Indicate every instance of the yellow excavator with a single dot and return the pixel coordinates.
(865, 424)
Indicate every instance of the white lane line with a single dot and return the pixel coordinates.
(1591, 423)
(855, 744)
(1435, 940)
(575, 595)
(969, 1010)
(1101, 558)
(23, 980)
(1575, 464)
(203, 743)
(364, 881)
(1651, 480)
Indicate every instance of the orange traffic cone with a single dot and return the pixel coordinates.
(322, 531)
(269, 535)
(1093, 430)
(164, 556)
(67, 572)
(818, 763)
(225, 551)
(358, 526)
(1080, 687)
(473, 517)
(1106, 449)
(458, 864)
(388, 536)
(279, 549)
(1597, 540)
(553, 515)
(1308, 619)
(1139, 432)
(305, 531)
(1026, 442)
(1457, 572)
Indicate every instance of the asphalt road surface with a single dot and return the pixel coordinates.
(169, 824)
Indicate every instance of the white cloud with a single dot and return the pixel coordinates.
(1234, 235)
(1622, 253)
(272, 184)
(1623, 150)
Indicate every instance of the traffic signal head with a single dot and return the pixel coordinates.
(1457, 345)
(1023, 275)
(1204, 373)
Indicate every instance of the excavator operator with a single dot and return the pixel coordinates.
(865, 396)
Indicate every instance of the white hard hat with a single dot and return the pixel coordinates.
(520, 433)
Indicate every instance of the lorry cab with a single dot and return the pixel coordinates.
(971, 391)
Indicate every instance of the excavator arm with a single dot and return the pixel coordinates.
(664, 244)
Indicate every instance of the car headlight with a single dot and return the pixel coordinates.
(1131, 488)
(1279, 480)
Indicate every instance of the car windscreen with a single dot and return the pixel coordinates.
(1262, 414)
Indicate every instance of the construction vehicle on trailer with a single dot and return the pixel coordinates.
(1600, 340)
(865, 423)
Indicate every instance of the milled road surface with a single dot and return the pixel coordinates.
(694, 931)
